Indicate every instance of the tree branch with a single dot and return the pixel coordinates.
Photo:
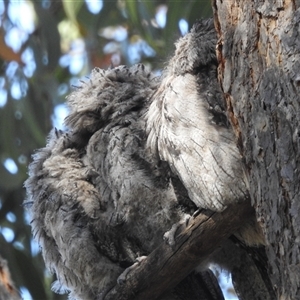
(165, 267)
(7, 287)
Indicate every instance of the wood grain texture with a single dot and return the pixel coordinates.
(259, 71)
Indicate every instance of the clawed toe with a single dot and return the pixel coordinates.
(122, 278)
(169, 236)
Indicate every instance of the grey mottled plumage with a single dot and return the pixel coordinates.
(137, 150)
(188, 127)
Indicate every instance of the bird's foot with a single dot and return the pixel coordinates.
(169, 236)
(122, 278)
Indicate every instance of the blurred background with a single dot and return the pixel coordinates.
(46, 47)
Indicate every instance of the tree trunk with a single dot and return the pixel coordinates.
(259, 69)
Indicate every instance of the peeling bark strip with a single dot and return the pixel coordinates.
(7, 287)
(259, 71)
(165, 267)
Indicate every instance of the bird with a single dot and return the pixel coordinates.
(188, 127)
(140, 153)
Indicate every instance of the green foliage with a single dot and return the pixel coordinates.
(36, 77)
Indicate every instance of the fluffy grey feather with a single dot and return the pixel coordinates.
(94, 195)
(137, 150)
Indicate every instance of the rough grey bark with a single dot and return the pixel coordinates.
(249, 271)
(259, 55)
